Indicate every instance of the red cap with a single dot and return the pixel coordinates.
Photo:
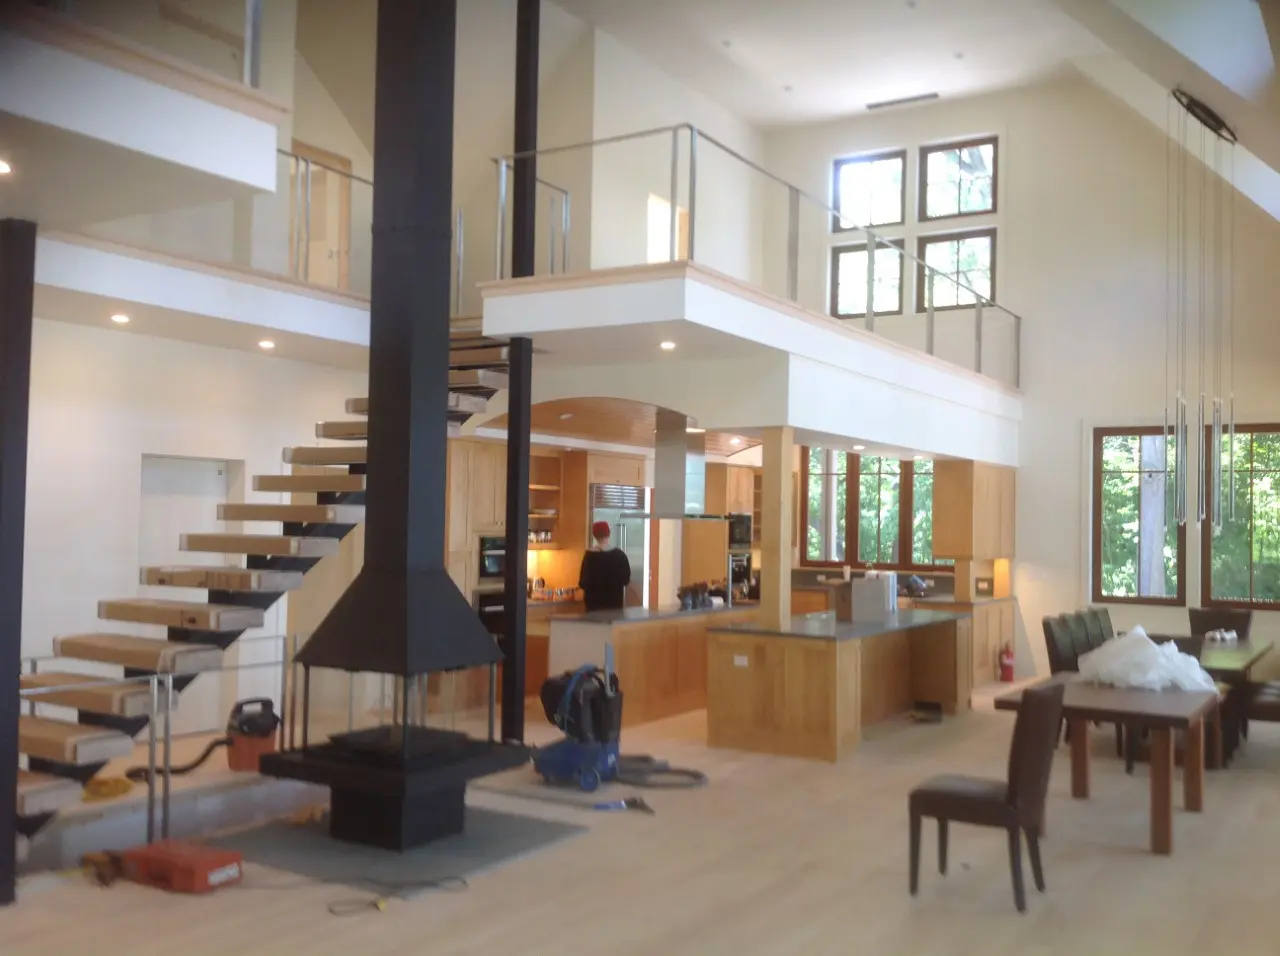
(600, 530)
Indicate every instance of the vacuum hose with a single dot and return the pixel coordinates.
(140, 774)
(641, 770)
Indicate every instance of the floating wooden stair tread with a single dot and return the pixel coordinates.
(327, 455)
(335, 482)
(220, 578)
(123, 700)
(355, 430)
(44, 793)
(141, 653)
(296, 514)
(204, 617)
(276, 545)
(78, 744)
(485, 355)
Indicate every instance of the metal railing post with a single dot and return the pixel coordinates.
(564, 234)
(458, 246)
(929, 317)
(977, 335)
(151, 758)
(500, 267)
(693, 190)
(298, 202)
(675, 194)
(793, 244)
(551, 242)
(252, 53)
(167, 790)
(306, 240)
(871, 281)
(1017, 351)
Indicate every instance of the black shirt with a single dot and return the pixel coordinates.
(604, 579)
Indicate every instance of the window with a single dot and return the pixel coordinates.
(958, 179)
(826, 502)
(1137, 544)
(1241, 561)
(866, 521)
(849, 280)
(868, 191)
(964, 261)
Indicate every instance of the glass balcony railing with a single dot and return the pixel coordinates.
(677, 193)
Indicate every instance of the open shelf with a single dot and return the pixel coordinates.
(544, 487)
(544, 546)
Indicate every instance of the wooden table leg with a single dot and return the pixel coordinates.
(1193, 768)
(1161, 790)
(1079, 758)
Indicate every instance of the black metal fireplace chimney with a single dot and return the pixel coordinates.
(403, 615)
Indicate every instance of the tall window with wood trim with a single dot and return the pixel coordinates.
(849, 280)
(965, 264)
(879, 510)
(1138, 546)
(826, 499)
(1240, 563)
(958, 179)
(870, 190)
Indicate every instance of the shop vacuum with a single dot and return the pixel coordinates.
(586, 706)
(251, 732)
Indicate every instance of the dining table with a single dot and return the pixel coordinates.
(1160, 713)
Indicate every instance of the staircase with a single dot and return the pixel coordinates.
(62, 755)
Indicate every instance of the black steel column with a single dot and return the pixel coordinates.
(523, 244)
(17, 289)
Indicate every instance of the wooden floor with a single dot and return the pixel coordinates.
(775, 857)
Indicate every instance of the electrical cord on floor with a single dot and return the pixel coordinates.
(140, 774)
(642, 770)
(385, 891)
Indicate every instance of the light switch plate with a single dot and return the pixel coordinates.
(740, 660)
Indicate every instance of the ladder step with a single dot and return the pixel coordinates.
(44, 793)
(220, 578)
(77, 744)
(276, 545)
(141, 653)
(204, 617)
(123, 700)
(299, 514)
(335, 482)
(318, 455)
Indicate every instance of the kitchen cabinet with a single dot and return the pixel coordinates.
(612, 470)
(458, 520)
(810, 600)
(740, 491)
(973, 510)
(705, 544)
(487, 488)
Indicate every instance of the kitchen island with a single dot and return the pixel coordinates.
(809, 690)
(660, 655)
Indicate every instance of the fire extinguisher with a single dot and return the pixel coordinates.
(1006, 664)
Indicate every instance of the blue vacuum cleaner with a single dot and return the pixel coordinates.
(586, 705)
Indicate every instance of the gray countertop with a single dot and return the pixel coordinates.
(823, 625)
(638, 615)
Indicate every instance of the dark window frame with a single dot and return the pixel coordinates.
(837, 251)
(1206, 534)
(853, 495)
(936, 238)
(1095, 545)
(900, 154)
(922, 185)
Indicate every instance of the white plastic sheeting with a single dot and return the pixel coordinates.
(1134, 660)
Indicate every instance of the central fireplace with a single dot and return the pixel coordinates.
(402, 783)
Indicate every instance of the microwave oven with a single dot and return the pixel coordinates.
(493, 558)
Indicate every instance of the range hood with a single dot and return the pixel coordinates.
(679, 471)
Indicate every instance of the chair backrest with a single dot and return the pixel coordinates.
(1093, 625)
(1104, 618)
(1057, 639)
(1079, 633)
(1206, 619)
(1035, 737)
(1193, 645)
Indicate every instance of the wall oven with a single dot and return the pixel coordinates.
(493, 560)
(739, 532)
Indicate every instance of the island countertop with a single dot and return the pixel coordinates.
(823, 625)
(643, 615)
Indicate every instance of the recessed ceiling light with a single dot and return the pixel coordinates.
(266, 345)
(694, 431)
(788, 88)
(666, 346)
(120, 319)
(919, 457)
(5, 168)
(959, 56)
(859, 447)
(735, 441)
(565, 416)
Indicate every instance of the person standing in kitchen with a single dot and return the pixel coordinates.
(605, 573)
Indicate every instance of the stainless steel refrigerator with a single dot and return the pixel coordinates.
(609, 503)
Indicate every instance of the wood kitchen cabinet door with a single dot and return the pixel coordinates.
(1008, 625)
(740, 497)
(1008, 511)
(487, 463)
(986, 631)
(459, 534)
(610, 470)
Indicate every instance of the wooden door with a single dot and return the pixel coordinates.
(323, 216)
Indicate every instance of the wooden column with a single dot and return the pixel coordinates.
(777, 513)
(17, 290)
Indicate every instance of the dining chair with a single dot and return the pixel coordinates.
(1079, 632)
(1206, 619)
(1104, 616)
(1093, 626)
(1015, 805)
(1064, 655)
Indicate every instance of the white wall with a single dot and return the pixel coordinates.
(101, 399)
(1081, 254)
(631, 95)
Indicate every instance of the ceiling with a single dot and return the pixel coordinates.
(839, 55)
(612, 421)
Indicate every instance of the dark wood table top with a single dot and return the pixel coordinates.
(1235, 658)
(1148, 708)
